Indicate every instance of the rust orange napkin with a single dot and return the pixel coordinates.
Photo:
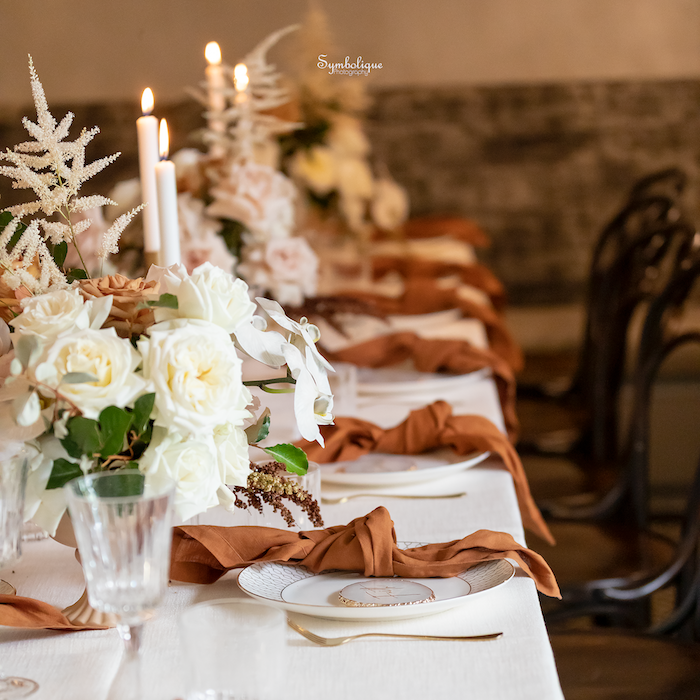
(435, 355)
(203, 553)
(427, 429)
(456, 227)
(475, 275)
(16, 611)
(422, 295)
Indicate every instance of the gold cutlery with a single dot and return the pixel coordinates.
(337, 641)
(344, 499)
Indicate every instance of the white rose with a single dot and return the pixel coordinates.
(390, 204)
(355, 178)
(196, 373)
(59, 313)
(189, 461)
(101, 353)
(233, 460)
(43, 507)
(316, 168)
(347, 137)
(208, 294)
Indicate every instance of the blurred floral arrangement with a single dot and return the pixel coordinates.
(329, 157)
(119, 373)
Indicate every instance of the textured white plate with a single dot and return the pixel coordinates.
(296, 589)
(377, 469)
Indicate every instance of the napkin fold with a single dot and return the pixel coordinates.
(435, 355)
(477, 275)
(422, 295)
(204, 553)
(426, 429)
(16, 611)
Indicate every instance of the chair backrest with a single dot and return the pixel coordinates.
(629, 263)
(660, 339)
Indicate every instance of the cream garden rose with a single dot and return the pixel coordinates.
(192, 462)
(196, 374)
(209, 294)
(60, 313)
(110, 359)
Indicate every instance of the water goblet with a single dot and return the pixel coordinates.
(124, 532)
(13, 477)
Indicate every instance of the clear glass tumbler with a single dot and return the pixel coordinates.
(234, 650)
(124, 533)
(13, 477)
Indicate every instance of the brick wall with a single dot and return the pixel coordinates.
(540, 167)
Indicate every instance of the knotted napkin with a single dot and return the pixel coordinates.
(427, 429)
(411, 267)
(203, 553)
(435, 355)
(423, 295)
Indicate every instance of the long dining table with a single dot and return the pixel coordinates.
(519, 665)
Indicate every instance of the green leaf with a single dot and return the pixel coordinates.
(76, 273)
(292, 457)
(114, 423)
(85, 433)
(260, 429)
(143, 407)
(164, 301)
(63, 471)
(125, 482)
(60, 250)
(78, 378)
(27, 349)
(5, 218)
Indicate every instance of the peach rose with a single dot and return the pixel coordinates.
(126, 295)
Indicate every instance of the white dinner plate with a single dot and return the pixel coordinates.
(296, 589)
(377, 469)
(398, 381)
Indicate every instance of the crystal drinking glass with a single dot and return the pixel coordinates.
(13, 477)
(124, 544)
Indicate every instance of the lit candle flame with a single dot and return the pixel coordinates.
(212, 53)
(147, 102)
(163, 140)
(240, 77)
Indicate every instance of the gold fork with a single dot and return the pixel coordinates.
(337, 641)
(345, 499)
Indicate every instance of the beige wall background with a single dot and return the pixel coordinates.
(94, 50)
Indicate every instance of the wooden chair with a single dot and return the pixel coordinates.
(637, 251)
(603, 550)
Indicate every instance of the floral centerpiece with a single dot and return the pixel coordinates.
(115, 373)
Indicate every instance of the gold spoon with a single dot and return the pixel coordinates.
(337, 641)
(344, 499)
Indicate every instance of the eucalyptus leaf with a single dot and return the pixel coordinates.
(164, 301)
(292, 457)
(27, 349)
(77, 273)
(123, 483)
(63, 471)
(143, 407)
(78, 378)
(260, 429)
(114, 423)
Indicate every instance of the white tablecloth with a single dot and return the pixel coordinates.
(520, 665)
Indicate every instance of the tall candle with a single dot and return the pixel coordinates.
(166, 186)
(244, 128)
(216, 83)
(147, 133)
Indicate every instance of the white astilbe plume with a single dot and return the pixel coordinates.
(54, 169)
(110, 238)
